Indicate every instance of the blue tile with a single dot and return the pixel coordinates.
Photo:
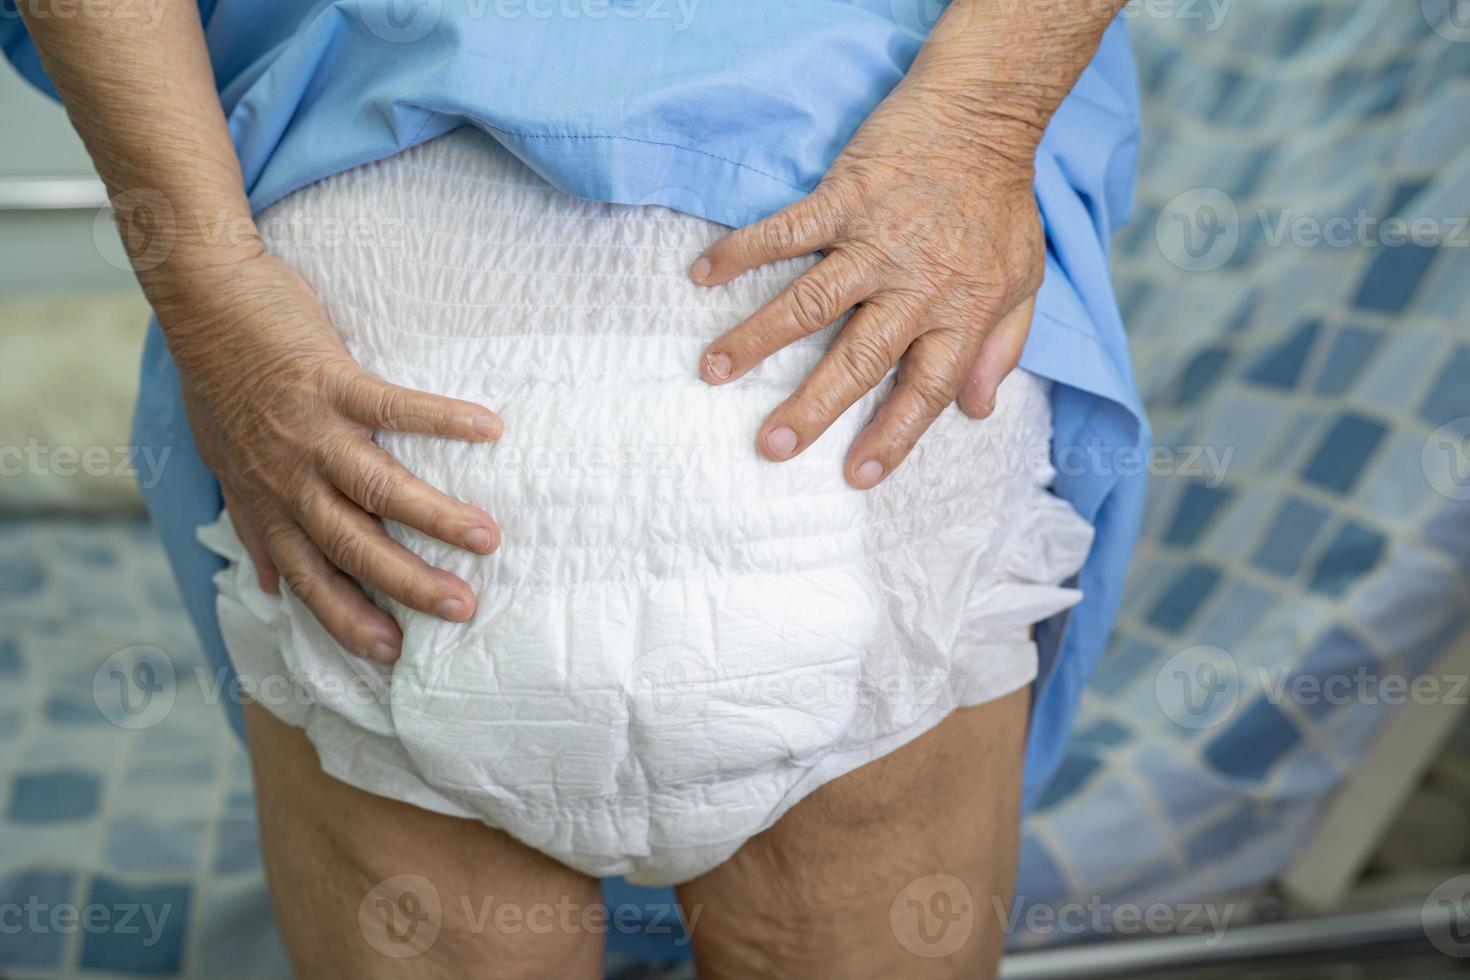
(1198, 506)
(1393, 277)
(236, 844)
(20, 576)
(1352, 553)
(1290, 444)
(1177, 606)
(1252, 240)
(46, 797)
(1071, 775)
(1200, 376)
(1281, 365)
(1344, 452)
(1449, 531)
(94, 555)
(1238, 611)
(1329, 675)
(1391, 83)
(151, 938)
(1403, 195)
(1124, 661)
(1255, 741)
(1224, 837)
(1249, 179)
(1449, 396)
(70, 710)
(1182, 790)
(1244, 312)
(1343, 85)
(1131, 841)
(1103, 733)
(1291, 533)
(1303, 21)
(23, 947)
(1038, 877)
(1426, 655)
(1226, 83)
(1149, 880)
(139, 844)
(1352, 348)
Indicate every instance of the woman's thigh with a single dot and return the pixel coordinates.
(903, 867)
(365, 886)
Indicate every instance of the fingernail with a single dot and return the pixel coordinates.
(869, 473)
(479, 540)
(781, 442)
(452, 609)
(487, 426)
(699, 271)
(383, 652)
(718, 365)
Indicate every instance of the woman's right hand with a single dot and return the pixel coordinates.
(284, 417)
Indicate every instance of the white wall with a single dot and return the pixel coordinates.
(58, 251)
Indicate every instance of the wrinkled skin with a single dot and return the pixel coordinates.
(930, 232)
(290, 440)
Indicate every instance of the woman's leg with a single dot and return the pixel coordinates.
(902, 868)
(365, 886)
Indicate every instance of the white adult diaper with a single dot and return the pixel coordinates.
(677, 639)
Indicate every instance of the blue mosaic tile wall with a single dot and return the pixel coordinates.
(1296, 283)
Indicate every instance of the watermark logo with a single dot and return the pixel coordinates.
(917, 18)
(135, 688)
(145, 463)
(1450, 19)
(665, 687)
(1199, 687)
(1208, 15)
(402, 21)
(137, 231)
(1445, 916)
(933, 916)
(1098, 917)
(1446, 459)
(401, 916)
(35, 917)
(1199, 230)
(149, 11)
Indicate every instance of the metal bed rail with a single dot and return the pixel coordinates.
(1405, 923)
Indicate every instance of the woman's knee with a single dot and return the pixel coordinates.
(382, 888)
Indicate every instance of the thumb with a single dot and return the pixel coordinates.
(998, 357)
(253, 538)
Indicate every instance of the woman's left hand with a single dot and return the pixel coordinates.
(931, 234)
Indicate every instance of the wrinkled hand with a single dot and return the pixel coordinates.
(284, 418)
(930, 232)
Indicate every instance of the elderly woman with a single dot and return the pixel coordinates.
(568, 533)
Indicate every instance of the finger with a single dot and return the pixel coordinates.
(861, 356)
(800, 229)
(998, 357)
(814, 300)
(928, 378)
(383, 405)
(356, 543)
(253, 538)
(335, 600)
(371, 478)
